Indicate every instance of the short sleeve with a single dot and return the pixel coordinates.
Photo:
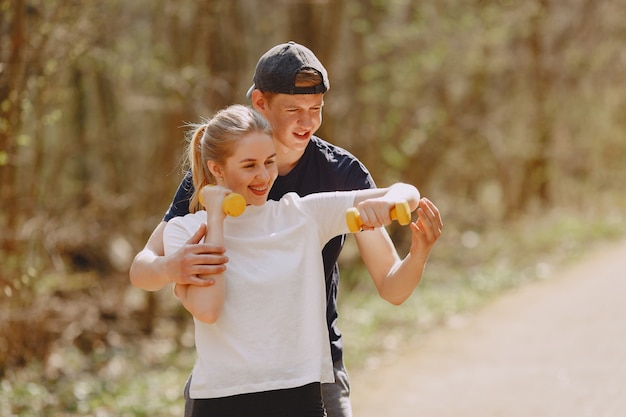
(180, 204)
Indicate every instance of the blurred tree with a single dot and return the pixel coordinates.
(37, 42)
(12, 86)
(492, 108)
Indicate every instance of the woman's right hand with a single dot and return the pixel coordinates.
(212, 198)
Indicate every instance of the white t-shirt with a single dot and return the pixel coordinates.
(272, 332)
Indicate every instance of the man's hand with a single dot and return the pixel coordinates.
(427, 230)
(195, 262)
(192, 264)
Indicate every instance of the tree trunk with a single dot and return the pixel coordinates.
(11, 91)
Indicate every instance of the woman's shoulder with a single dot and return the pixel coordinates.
(291, 196)
(289, 201)
(179, 229)
(189, 220)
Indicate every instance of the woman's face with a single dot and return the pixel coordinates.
(252, 170)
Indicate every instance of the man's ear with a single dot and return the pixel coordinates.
(258, 100)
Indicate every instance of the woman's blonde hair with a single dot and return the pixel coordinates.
(215, 140)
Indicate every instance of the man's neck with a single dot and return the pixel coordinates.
(287, 162)
(287, 159)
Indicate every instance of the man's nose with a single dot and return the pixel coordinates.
(306, 121)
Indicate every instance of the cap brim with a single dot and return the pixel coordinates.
(250, 90)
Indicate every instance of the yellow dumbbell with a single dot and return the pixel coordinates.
(401, 212)
(233, 205)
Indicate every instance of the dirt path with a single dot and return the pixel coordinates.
(555, 348)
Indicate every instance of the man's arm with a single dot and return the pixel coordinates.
(194, 263)
(396, 279)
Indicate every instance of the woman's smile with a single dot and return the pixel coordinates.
(259, 190)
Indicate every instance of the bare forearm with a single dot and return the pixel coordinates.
(204, 303)
(149, 268)
(148, 271)
(402, 280)
(404, 277)
(394, 278)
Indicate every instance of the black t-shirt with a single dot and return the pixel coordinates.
(323, 167)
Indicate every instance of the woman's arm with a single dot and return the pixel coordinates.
(395, 279)
(205, 303)
(375, 205)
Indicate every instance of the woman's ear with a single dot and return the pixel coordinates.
(215, 169)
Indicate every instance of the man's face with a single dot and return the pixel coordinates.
(294, 119)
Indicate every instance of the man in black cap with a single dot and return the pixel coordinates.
(288, 90)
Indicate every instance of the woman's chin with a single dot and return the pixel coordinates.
(257, 200)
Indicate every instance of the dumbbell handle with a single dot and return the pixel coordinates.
(401, 212)
(233, 204)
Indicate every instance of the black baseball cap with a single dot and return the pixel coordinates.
(277, 68)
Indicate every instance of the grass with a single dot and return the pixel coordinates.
(131, 375)
(144, 378)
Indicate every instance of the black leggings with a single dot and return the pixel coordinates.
(305, 401)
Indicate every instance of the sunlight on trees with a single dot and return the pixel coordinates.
(495, 110)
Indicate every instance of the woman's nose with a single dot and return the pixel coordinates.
(263, 174)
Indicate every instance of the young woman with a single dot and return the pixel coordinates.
(261, 333)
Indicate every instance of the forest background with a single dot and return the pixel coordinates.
(509, 115)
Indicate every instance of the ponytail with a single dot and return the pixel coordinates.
(199, 169)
